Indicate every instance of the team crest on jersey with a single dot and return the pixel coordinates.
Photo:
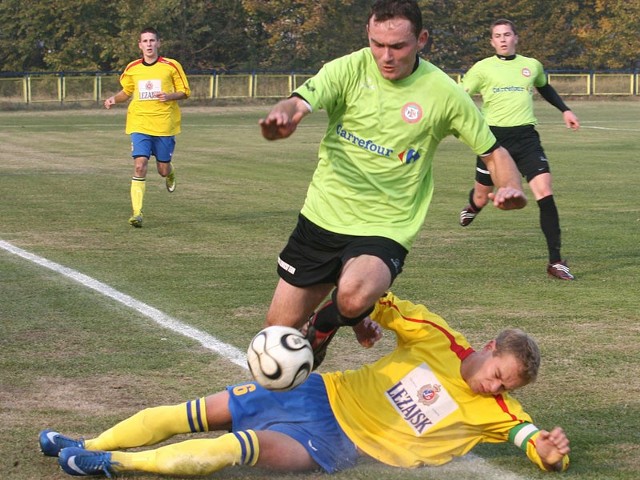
(526, 72)
(412, 113)
(428, 395)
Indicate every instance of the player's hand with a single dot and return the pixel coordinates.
(162, 96)
(508, 198)
(368, 332)
(109, 101)
(283, 119)
(570, 120)
(275, 127)
(552, 447)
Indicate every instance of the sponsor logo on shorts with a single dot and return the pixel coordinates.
(286, 267)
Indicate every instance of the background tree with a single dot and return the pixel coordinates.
(609, 31)
(301, 35)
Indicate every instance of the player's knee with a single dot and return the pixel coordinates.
(352, 309)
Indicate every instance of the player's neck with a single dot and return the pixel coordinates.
(506, 57)
(150, 60)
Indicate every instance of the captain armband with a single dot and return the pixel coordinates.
(521, 434)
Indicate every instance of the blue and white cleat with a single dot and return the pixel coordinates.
(52, 442)
(80, 462)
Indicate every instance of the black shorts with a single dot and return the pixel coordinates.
(314, 255)
(523, 143)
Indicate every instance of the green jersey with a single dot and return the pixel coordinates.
(374, 175)
(507, 88)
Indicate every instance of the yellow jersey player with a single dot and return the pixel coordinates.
(154, 84)
(431, 399)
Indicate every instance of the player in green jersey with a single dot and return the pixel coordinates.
(431, 399)
(388, 111)
(506, 82)
(155, 84)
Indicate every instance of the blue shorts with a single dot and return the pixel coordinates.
(303, 414)
(143, 145)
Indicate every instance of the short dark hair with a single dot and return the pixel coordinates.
(503, 21)
(150, 30)
(387, 9)
(524, 348)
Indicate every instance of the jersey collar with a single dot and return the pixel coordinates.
(506, 57)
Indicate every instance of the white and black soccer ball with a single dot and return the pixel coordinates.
(280, 358)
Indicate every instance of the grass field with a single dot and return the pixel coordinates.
(78, 361)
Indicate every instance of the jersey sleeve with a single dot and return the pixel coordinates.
(180, 81)
(325, 90)
(541, 77)
(469, 126)
(472, 81)
(126, 80)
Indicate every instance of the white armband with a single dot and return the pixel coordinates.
(521, 434)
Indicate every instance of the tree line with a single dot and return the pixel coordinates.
(301, 35)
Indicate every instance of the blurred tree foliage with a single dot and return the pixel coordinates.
(301, 35)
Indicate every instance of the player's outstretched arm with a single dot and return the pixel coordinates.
(506, 177)
(552, 447)
(283, 119)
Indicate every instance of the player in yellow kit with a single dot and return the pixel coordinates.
(154, 84)
(433, 398)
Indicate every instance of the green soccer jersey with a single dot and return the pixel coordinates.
(374, 175)
(507, 88)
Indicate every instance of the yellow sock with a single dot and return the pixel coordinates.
(152, 426)
(193, 457)
(137, 194)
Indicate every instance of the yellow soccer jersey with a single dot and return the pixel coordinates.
(424, 412)
(146, 114)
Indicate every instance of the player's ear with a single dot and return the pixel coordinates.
(422, 39)
(490, 346)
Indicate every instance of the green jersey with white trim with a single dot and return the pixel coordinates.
(507, 88)
(374, 176)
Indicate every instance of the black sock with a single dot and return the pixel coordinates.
(329, 317)
(550, 224)
(472, 203)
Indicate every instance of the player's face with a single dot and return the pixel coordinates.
(503, 40)
(394, 46)
(149, 45)
(494, 374)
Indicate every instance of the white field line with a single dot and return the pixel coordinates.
(210, 342)
(469, 463)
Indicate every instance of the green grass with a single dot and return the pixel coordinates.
(77, 361)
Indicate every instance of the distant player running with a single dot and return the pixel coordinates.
(155, 85)
(506, 82)
(432, 399)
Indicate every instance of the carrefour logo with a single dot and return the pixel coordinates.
(369, 145)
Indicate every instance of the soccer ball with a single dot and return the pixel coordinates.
(280, 358)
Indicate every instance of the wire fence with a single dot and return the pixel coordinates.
(31, 88)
